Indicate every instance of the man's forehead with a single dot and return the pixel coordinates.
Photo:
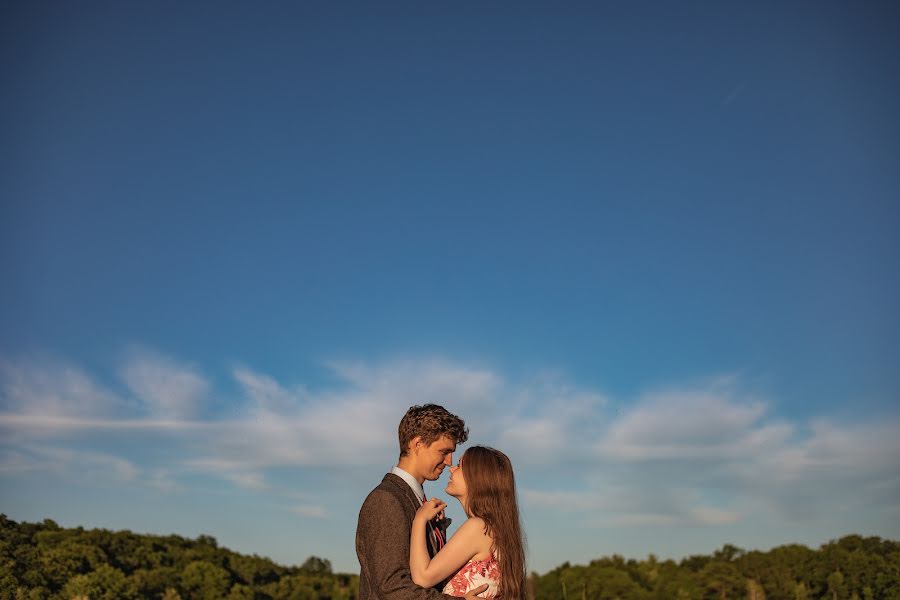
(444, 443)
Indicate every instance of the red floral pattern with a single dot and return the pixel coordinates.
(473, 574)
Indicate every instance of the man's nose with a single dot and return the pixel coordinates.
(448, 460)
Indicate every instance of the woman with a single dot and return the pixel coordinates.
(488, 547)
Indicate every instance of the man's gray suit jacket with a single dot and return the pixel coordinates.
(382, 544)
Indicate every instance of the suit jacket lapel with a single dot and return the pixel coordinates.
(410, 500)
(411, 504)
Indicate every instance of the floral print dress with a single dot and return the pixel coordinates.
(473, 574)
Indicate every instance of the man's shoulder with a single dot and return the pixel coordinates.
(384, 505)
(386, 491)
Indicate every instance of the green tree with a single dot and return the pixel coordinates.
(253, 570)
(755, 591)
(152, 583)
(316, 566)
(721, 580)
(837, 589)
(240, 591)
(608, 583)
(59, 563)
(292, 587)
(38, 593)
(104, 583)
(728, 553)
(205, 581)
(8, 586)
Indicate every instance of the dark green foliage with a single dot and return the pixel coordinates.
(205, 581)
(852, 568)
(43, 561)
(316, 566)
(103, 583)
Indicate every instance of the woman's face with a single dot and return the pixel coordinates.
(456, 487)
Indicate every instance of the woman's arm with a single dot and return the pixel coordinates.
(382, 538)
(467, 542)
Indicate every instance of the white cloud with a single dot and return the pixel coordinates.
(310, 511)
(80, 463)
(687, 425)
(266, 393)
(13, 461)
(698, 456)
(869, 446)
(254, 481)
(643, 519)
(166, 388)
(51, 388)
(408, 382)
(563, 500)
(352, 425)
(161, 479)
(714, 516)
(550, 421)
(708, 456)
(537, 439)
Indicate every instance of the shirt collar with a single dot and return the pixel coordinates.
(409, 479)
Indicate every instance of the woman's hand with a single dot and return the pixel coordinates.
(431, 509)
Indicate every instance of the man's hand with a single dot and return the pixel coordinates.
(474, 593)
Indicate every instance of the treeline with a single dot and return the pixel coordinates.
(43, 561)
(851, 568)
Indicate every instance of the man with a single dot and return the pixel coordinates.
(428, 438)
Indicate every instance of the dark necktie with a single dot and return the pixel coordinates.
(437, 538)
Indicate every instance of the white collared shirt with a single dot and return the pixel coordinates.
(415, 485)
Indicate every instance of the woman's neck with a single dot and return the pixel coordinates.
(464, 502)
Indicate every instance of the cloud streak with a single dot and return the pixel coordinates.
(702, 455)
(165, 388)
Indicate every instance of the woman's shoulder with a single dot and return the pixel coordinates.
(475, 531)
(473, 525)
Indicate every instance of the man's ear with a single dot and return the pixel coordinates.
(415, 443)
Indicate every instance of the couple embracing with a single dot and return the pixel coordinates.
(401, 538)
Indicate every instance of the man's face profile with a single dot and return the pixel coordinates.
(434, 457)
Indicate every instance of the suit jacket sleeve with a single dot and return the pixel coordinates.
(383, 547)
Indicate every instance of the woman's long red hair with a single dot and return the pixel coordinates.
(491, 488)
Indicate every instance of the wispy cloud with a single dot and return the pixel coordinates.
(254, 481)
(692, 424)
(704, 454)
(79, 463)
(564, 500)
(708, 456)
(310, 511)
(36, 423)
(165, 388)
(714, 516)
(52, 388)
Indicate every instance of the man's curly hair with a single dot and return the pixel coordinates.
(430, 422)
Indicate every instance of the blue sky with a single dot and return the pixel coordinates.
(650, 251)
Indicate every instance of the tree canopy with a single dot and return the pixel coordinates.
(851, 568)
(43, 561)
